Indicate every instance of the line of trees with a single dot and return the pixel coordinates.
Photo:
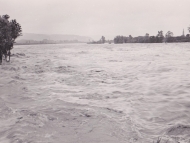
(101, 41)
(159, 38)
(9, 31)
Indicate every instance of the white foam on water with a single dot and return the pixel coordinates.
(149, 83)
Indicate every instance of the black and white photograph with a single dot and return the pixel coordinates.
(94, 71)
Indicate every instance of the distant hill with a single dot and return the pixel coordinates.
(55, 37)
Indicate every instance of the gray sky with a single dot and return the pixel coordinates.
(95, 18)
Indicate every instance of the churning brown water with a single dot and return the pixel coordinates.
(96, 93)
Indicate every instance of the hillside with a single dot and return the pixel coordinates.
(54, 37)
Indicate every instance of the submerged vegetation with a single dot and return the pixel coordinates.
(9, 31)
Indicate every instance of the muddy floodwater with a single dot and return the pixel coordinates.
(107, 93)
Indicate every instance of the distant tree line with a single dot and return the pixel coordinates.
(101, 41)
(159, 38)
(9, 31)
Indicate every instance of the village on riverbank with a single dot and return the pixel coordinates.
(159, 38)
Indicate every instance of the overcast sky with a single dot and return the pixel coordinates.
(95, 18)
